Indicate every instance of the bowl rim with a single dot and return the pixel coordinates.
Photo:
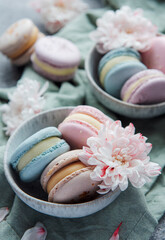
(108, 96)
(22, 193)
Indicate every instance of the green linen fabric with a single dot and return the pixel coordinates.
(139, 210)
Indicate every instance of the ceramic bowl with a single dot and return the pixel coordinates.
(37, 199)
(112, 103)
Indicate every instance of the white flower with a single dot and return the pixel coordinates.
(119, 155)
(123, 28)
(26, 101)
(56, 13)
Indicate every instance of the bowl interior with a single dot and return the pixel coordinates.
(37, 199)
(112, 103)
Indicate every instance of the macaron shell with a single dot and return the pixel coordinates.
(24, 40)
(115, 79)
(91, 111)
(76, 187)
(155, 56)
(16, 36)
(149, 72)
(58, 163)
(116, 53)
(58, 78)
(34, 169)
(77, 132)
(58, 51)
(25, 57)
(31, 141)
(150, 92)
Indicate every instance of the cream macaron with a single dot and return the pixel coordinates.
(67, 180)
(17, 42)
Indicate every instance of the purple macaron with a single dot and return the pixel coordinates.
(56, 58)
(145, 87)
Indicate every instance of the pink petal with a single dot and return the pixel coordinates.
(38, 232)
(4, 211)
(115, 236)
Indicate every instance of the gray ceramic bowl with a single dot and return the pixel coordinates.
(37, 199)
(112, 103)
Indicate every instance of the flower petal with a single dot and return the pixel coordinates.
(38, 232)
(115, 236)
(4, 211)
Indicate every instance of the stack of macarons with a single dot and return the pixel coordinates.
(56, 58)
(17, 42)
(124, 74)
(46, 155)
(116, 67)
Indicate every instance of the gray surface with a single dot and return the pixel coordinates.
(10, 11)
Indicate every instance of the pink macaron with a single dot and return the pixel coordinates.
(154, 58)
(56, 58)
(67, 180)
(83, 122)
(145, 87)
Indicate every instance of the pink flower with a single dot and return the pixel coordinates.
(123, 28)
(115, 236)
(119, 155)
(26, 101)
(38, 232)
(57, 13)
(4, 211)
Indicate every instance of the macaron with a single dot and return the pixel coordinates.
(34, 153)
(145, 87)
(17, 42)
(56, 58)
(83, 122)
(67, 180)
(154, 57)
(116, 67)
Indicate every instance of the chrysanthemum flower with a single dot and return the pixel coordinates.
(57, 13)
(26, 101)
(119, 155)
(123, 28)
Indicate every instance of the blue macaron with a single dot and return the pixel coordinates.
(116, 67)
(36, 152)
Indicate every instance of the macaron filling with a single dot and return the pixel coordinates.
(32, 39)
(62, 173)
(137, 84)
(85, 118)
(51, 69)
(36, 150)
(112, 63)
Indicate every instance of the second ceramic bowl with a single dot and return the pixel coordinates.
(112, 103)
(32, 194)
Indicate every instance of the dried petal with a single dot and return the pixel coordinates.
(115, 236)
(4, 211)
(38, 232)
